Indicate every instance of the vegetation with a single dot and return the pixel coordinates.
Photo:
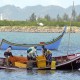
(34, 23)
(47, 21)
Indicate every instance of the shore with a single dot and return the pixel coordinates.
(37, 29)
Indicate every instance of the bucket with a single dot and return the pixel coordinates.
(53, 65)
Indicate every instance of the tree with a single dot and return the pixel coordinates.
(58, 18)
(78, 18)
(33, 17)
(47, 17)
(65, 17)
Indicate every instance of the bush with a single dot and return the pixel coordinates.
(34, 23)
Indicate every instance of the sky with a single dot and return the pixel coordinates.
(24, 3)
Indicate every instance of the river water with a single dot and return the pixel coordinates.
(67, 45)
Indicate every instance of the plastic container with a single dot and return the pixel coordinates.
(20, 65)
(53, 65)
(41, 61)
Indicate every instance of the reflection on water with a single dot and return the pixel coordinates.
(45, 71)
(23, 74)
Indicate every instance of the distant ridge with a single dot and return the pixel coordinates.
(12, 12)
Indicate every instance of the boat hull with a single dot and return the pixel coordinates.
(52, 46)
(70, 65)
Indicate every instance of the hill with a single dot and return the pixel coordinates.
(12, 12)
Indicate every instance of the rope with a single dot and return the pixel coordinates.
(69, 41)
(69, 36)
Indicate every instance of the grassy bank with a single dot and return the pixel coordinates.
(35, 23)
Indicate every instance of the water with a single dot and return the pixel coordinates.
(21, 74)
(39, 75)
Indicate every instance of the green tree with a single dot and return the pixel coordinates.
(47, 17)
(33, 17)
(78, 18)
(65, 17)
(58, 18)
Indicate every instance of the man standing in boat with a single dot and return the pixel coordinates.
(43, 50)
(32, 53)
(48, 54)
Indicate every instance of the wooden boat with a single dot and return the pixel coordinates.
(68, 62)
(53, 44)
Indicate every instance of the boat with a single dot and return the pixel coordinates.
(52, 45)
(67, 62)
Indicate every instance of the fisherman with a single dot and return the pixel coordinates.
(48, 54)
(48, 57)
(32, 53)
(8, 53)
(43, 50)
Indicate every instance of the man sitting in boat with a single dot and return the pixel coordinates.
(8, 53)
(31, 53)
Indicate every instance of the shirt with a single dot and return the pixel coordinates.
(8, 49)
(31, 52)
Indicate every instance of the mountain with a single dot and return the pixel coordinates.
(12, 12)
(69, 10)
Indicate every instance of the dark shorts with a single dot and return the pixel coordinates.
(49, 57)
(30, 58)
(7, 54)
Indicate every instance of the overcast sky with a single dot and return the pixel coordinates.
(24, 3)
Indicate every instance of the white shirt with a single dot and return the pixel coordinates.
(8, 49)
(32, 52)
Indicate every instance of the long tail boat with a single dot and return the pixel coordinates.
(67, 62)
(54, 44)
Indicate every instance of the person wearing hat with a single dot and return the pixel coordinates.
(44, 50)
(48, 57)
(48, 54)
